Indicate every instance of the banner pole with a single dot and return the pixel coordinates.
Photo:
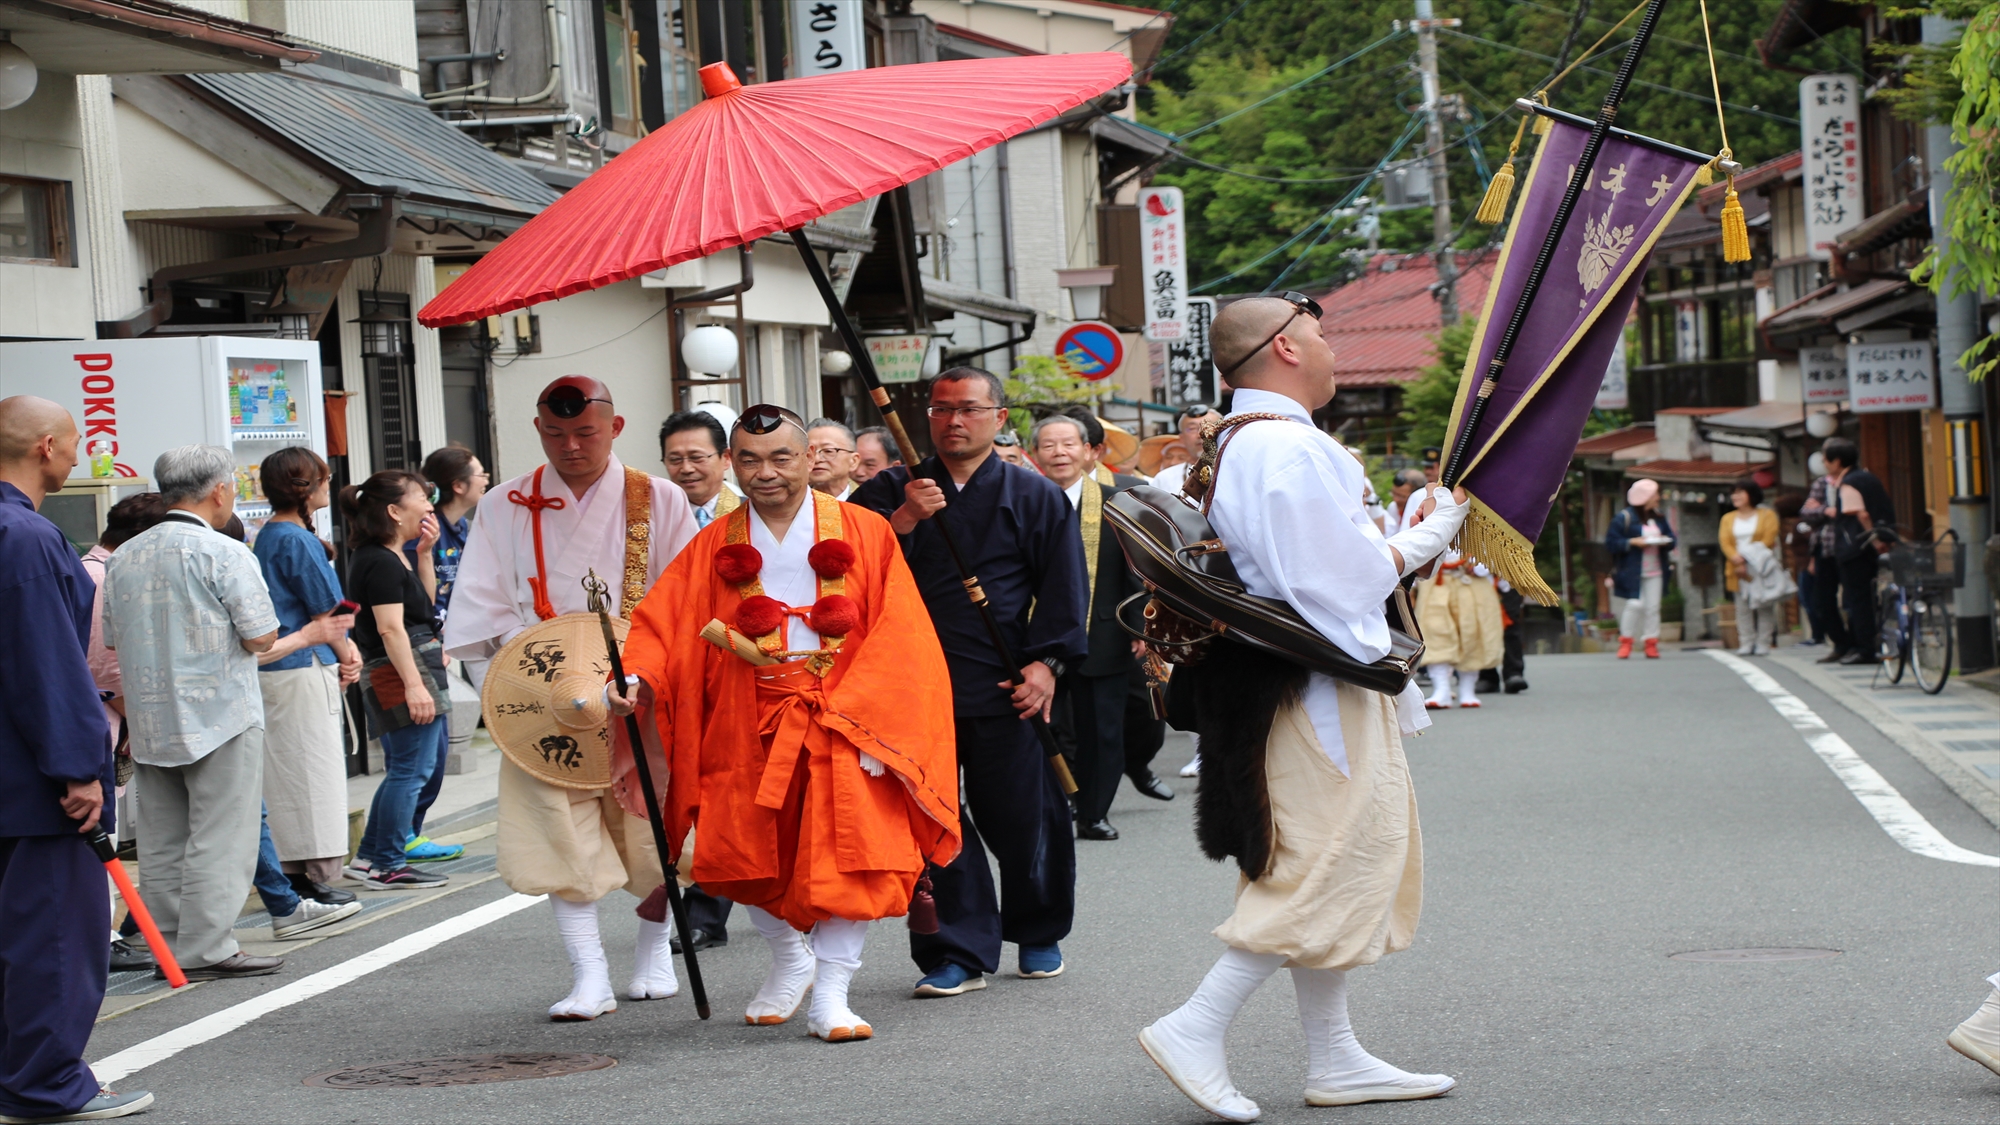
(1462, 444)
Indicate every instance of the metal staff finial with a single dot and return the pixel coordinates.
(594, 591)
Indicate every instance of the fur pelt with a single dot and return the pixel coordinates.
(1237, 691)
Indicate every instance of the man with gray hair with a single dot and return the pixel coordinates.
(187, 611)
(830, 453)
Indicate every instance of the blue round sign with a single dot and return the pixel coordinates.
(1090, 350)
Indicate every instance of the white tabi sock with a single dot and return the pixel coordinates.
(1338, 1071)
(1187, 1043)
(1440, 686)
(1467, 677)
(590, 994)
(791, 970)
(836, 947)
(653, 963)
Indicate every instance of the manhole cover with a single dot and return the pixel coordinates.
(1778, 954)
(460, 1070)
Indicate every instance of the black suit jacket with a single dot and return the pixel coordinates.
(1110, 644)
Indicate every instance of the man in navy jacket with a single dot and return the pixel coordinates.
(55, 787)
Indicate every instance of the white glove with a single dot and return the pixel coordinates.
(1428, 539)
(871, 764)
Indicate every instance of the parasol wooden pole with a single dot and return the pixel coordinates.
(1598, 130)
(880, 397)
(669, 878)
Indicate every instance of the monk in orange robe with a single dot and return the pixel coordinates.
(817, 758)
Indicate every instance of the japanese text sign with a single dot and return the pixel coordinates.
(1830, 139)
(1823, 374)
(1163, 246)
(1190, 359)
(899, 359)
(1891, 376)
(826, 37)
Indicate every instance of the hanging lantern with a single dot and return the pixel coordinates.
(294, 320)
(709, 350)
(382, 332)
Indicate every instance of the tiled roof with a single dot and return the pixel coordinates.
(1383, 325)
(1611, 441)
(380, 139)
(1695, 471)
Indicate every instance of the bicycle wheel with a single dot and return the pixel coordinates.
(1892, 639)
(1931, 641)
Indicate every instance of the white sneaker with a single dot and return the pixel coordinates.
(1748, 649)
(1193, 768)
(1416, 1086)
(1978, 1038)
(1760, 650)
(311, 915)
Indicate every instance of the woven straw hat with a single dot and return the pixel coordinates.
(544, 700)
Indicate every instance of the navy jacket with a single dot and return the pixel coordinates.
(1021, 539)
(52, 728)
(1627, 557)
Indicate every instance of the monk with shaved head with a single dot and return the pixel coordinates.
(532, 541)
(1331, 872)
(55, 786)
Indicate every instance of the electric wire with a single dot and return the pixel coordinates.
(1309, 79)
(1753, 110)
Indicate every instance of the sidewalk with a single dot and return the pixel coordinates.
(1956, 733)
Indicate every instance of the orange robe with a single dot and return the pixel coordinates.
(766, 760)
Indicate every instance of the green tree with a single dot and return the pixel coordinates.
(1038, 380)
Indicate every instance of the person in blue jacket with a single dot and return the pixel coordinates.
(1640, 541)
(56, 783)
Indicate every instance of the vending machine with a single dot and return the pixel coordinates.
(136, 399)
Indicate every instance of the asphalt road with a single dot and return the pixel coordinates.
(1575, 837)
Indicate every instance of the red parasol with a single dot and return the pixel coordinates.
(751, 161)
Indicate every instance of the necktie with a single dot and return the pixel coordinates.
(701, 517)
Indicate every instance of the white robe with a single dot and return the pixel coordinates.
(491, 601)
(1288, 503)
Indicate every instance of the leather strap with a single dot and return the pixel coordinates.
(1219, 441)
(535, 502)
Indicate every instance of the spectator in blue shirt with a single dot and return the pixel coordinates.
(460, 480)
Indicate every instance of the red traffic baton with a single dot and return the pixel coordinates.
(108, 852)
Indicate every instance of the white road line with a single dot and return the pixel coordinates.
(133, 1059)
(1904, 824)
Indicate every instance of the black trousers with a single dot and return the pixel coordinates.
(707, 911)
(55, 953)
(1826, 602)
(1857, 597)
(1097, 720)
(1144, 734)
(1512, 661)
(1015, 808)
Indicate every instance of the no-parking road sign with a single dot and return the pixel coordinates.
(1090, 350)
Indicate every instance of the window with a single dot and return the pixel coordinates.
(34, 222)
(621, 50)
(680, 58)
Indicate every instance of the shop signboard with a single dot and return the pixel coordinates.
(1163, 241)
(1830, 139)
(899, 359)
(1190, 359)
(1891, 376)
(827, 37)
(1823, 374)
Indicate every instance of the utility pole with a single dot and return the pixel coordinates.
(1427, 61)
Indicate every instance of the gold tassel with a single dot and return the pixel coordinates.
(1543, 125)
(1487, 538)
(1704, 175)
(1735, 232)
(1493, 208)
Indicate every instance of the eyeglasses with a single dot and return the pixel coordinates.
(1302, 305)
(1006, 437)
(945, 413)
(676, 460)
(568, 402)
(817, 451)
(763, 418)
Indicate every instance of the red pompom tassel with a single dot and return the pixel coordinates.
(654, 908)
(759, 615)
(923, 908)
(831, 558)
(835, 615)
(738, 563)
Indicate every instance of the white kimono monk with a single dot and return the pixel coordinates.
(532, 542)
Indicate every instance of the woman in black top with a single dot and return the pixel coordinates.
(402, 675)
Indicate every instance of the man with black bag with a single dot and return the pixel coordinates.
(1863, 519)
(1303, 779)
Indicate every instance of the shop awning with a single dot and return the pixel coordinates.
(135, 37)
(1763, 418)
(946, 300)
(1798, 327)
(1629, 443)
(1702, 472)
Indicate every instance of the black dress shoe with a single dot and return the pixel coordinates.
(1834, 656)
(703, 939)
(1859, 657)
(129, 958)
(1096, 830)
(304, 887)
(1489, 681)
(1516, 685)
(1149, 784)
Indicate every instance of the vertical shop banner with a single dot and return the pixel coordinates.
(1612, 393)
(1830, 138)
(1823, 374)
(1190, 359)
(1163, 241)
(826, 38)
(1891, 376)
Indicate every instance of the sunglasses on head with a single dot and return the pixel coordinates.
(763, 418)
(1198, 410)
(1006, 437)
(1302, 305)
(568, 402)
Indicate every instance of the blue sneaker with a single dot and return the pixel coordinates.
(950, 980)
(1041, 961)
(422, 850)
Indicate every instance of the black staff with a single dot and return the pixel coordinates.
(594, 587)
(880, 397)
(1598, 129)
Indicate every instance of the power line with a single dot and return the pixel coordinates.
(1314, 77)
(1750, 109)
(1189, 46)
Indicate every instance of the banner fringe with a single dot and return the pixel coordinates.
(1488, 539)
